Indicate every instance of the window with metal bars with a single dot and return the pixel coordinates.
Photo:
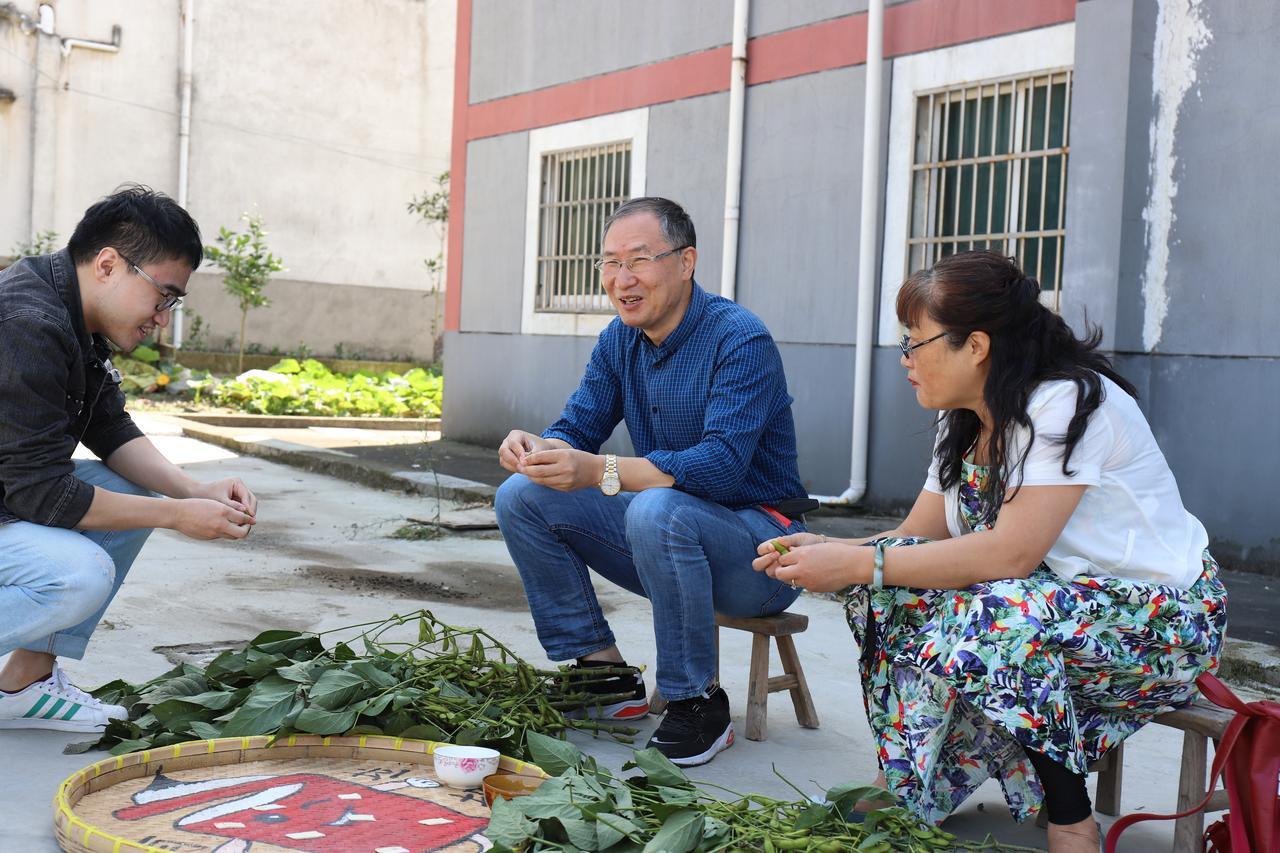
(989, 171)
(580, 188)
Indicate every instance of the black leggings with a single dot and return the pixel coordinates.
(1066, 799)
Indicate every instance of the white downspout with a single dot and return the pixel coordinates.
(184, 129)
(733, 164)
(868, 255)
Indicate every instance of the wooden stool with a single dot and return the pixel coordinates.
(1200, 723)
(760, 684)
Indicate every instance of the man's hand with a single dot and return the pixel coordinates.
(564, 469)
(202, 518)
(231, 492)
(518, 443)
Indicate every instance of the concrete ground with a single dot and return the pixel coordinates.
(321, 557)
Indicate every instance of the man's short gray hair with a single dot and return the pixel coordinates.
(677, 227)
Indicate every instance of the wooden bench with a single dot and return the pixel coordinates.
(1199, 723)
(760, 684)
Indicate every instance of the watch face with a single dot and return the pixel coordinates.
(611, 486)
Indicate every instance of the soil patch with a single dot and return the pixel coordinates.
(495, 585)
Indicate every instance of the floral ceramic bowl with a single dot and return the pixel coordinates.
(464, 766)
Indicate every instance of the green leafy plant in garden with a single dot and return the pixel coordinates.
(586, 807)
(43, 243)
(144, 371)
(453, 684)
(248, 265)
(309, 388)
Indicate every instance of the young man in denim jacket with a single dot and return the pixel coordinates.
(70, 529)
(699, 383)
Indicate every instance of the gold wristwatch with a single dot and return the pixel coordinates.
(609, 483)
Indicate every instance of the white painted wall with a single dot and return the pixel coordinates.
(325, 116)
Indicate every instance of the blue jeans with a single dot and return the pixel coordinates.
(55, 583)
(690, 557)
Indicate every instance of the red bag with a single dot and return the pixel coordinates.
(1248, 759)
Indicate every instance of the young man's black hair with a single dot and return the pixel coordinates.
(140, 223)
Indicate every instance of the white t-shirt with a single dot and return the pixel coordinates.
(1130, 522)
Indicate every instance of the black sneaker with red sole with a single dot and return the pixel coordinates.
(618, 695)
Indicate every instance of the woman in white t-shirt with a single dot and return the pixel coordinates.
(1057, 594)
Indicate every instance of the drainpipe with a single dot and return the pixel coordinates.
(184, 130)
(733, 165)
(868, 254)
(42, 138)
(113, 46)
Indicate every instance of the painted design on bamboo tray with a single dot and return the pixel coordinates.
(308, 812)
(957, 681)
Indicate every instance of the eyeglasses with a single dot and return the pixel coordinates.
(611, 266)
(906, 346)
(171, 299)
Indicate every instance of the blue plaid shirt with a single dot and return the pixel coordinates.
(709, 406)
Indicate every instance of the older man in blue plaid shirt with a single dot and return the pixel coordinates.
(699, 382)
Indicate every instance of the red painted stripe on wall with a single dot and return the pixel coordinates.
(909, 28)
(458, 169)
(931, 24)
(687, 76)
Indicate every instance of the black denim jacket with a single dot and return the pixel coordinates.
(54, 392)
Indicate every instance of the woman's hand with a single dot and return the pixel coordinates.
(769, 551)
(813, 564)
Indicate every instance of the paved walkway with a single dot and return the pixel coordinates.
(322, 557)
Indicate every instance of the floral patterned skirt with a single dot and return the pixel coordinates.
(956, 682)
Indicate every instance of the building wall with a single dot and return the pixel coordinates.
(1226, 137)
(615, 37)
(326, 124)
(1207, 367)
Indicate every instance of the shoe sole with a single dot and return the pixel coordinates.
(54, 725)
(720, 745)
(631, 710)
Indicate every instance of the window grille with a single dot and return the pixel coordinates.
(989, 171)
(580, 189)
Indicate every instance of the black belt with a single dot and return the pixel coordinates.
(794, 508)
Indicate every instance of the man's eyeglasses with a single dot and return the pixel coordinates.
(906, 346)
(611, 266)
(171, 299)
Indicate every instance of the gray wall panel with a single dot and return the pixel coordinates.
(1111, 111)
(497, 383)
(821, 381)
(687, 143)
(517, 47)
(1218, 421)
(774, 15)
(627, 40)
(1227, 145)
(901, 436)
(493, 242)
(1096, 220)
(798, 261)
(1136, 187)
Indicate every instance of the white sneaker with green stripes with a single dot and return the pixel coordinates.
(56, 703)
